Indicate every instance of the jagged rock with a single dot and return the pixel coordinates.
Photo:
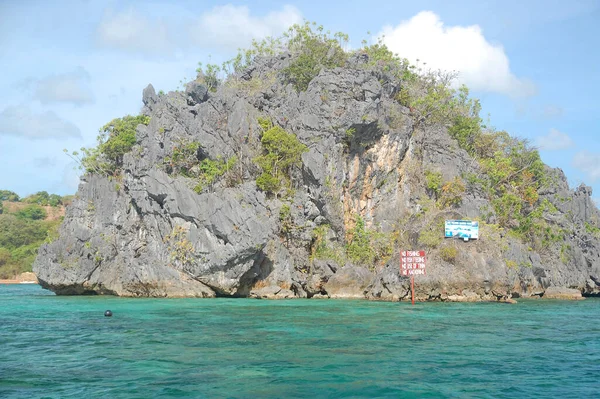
(321, 273)
(311, 211)
(197, 93)
(465, 296)
(350, 282)
(149, 97)
(388, 285)
(146, 232)
(320, 220)
(269, 292)
(562, 293)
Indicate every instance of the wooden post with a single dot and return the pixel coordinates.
(412, 288)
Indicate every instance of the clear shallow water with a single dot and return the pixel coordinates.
(63, 347)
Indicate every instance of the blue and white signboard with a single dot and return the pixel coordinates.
(465, 229)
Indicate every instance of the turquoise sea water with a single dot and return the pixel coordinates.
(64, 347)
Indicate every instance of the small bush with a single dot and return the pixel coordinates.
(282, 152)
(116, 138)
(432, 235)
(286, 221)
(321, 249)
(452, 193)
(511, 264)
(368, 247)
(312, 51)
(183, 158)
(184, 161)
(181, 250)
(212, 170)
(32, 212)
(433, 182)
(449, 254)
(210, 75)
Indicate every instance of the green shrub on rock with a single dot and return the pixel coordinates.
(368, 247)
(282, 152)
(184, 161)
(312, 51)
(116, 138)
(449, 254)
(211, 170)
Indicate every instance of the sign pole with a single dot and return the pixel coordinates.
(412, 263)
(412, 288)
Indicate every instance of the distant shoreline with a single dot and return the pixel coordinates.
(17, 282)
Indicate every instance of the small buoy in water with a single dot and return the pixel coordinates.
(108, 313)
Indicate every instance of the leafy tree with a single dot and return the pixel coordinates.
(452, 193)
(183, 159)
(312, 51)
(6, 195)
(39, 198)
(1, 207)
(368, 247)
(433, 182)
(210, 75)
(116, 138)
(282, 152)
(32, 212)
(44, 199)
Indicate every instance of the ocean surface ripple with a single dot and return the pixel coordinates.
(64, 347)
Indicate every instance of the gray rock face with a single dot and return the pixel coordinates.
(562, 293)
(197, 93)
(147, 232)
(350, 282)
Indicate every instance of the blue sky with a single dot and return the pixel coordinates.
(70, 67)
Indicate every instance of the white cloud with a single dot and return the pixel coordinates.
(44, 162)
(232, 27)
(129, 30)
(588, 163)
(20, 121)
(69, 87)
(552, 111)
(554, 140)
(482, 65)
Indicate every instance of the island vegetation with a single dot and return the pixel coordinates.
(26, 223)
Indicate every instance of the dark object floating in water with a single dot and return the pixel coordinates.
(108, 313)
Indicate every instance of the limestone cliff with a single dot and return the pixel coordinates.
(147, 232)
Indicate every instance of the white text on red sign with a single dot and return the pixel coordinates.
(409, 266)
(412, 272)
(412, 253)
(414, 259)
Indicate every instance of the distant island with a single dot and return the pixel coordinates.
(300, 169)
(26, 223)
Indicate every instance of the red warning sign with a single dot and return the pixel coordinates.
(412, 263)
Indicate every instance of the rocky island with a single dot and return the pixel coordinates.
(300, 170)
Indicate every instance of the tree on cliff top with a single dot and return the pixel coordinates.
(116, 138)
